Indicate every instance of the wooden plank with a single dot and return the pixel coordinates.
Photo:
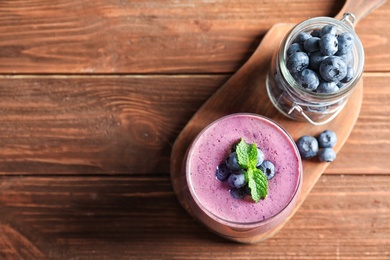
(162, 36)
(140, 218)
(62, 125)
(117, 125)
(368, 147)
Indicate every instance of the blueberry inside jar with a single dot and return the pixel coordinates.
(316, 69)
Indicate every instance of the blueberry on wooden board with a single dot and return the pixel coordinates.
(307, 146)
(327, 155)
(327, 139)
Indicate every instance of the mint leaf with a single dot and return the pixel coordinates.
(246, 154)
(258, 184)
(247, 159)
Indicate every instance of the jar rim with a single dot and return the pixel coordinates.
(312, 23)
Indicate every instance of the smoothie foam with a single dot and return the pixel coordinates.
(211, 148)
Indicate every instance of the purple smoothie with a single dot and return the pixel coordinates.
(211, 148)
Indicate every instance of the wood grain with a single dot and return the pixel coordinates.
(113, 125)
(86, 135)
(368, 146)
(344, 217)
(95, 125)
(162, 36)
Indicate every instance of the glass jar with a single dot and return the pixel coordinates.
(298, 103)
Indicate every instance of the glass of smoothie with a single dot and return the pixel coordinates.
(208, 199)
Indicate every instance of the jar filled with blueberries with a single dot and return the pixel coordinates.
(316, 69)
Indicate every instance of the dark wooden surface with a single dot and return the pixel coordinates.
(94, 93)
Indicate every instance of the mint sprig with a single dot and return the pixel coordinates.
(247, 159)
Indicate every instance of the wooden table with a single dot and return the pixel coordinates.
(94, 93)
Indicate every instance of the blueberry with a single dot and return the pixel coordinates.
(328, 44)
(307, 146)
(237, 193)
(237, 180)
(346, 41)
(247, 190)
(316, 33)
(234, 147)
(328, 29)
(232, 162)
(302, 37)
(260, 157)
(315, 60)
(340, 84)
(312, 44)
(308, 79)
(348, 57)
(268, 168)
(333, 68)
(327, 139)
(297, 62)
(350, 74)
(222, 172)
(327, 155)
(295, 47)
(327, 87)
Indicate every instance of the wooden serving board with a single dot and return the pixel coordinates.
(245, 91)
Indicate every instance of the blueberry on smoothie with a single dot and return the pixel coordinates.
(242, 167)
(222, 172)
(327, 139)
(237, 180)
(260, 157)
(232, 162)
(307, 146)
(234, 147)
(327, 155)
(268, 168)
(237, 193)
